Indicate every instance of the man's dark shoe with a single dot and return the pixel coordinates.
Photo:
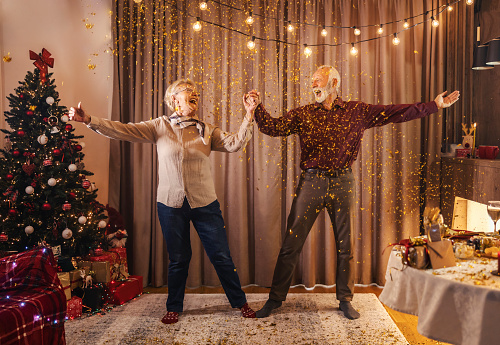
(349, 311)
(268, 308)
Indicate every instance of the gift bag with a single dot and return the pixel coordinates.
(441, 254)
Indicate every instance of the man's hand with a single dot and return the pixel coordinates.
(445, 102)
(78, 114)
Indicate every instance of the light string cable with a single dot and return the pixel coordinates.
(440, 9)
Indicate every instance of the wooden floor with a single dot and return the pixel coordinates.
(406, 323)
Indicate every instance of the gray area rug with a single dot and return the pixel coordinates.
(208, 319)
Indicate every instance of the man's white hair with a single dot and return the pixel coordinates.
(333, 74)
(172, 90)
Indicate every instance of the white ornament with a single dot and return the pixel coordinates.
(64, 118)
(49, 100)
(82, 219)
(72, 167)
(29, 230)
(54, 130)
(52, 182)
(42, 139)
(67, 233)
(29, 190)
(102, 224)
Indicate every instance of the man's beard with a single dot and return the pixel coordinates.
(325, 92)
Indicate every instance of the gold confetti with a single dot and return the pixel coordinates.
(89, 26)
(7, 58)
(91, 66)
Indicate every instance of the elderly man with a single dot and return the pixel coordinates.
(330, 132)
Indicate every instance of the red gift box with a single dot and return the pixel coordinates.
(123, 291)
(122, 256)
(74, 307)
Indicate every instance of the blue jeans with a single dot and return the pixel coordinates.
(209, 225)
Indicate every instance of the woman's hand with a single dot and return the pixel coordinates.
(445, 102)
(78, 114)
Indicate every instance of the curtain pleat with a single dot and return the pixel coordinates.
(397, 166)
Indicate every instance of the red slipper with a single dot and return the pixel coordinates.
(170, 317)
(248, 312)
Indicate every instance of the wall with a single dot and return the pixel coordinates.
(77, 34)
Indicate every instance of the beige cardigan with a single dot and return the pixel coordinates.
(184, 166)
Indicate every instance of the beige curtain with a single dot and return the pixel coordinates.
(155, 45)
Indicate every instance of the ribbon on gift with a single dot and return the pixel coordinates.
(407, 243)
(42, 62)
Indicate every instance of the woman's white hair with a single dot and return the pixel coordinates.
(172, 90)
(333, 74)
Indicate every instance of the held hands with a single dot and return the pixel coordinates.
(78, 114)
(445, 102)
(251, 100)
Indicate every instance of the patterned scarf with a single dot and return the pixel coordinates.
(186, 121)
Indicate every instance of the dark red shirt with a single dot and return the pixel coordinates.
(330, 139)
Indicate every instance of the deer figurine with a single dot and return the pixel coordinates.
(468, 139)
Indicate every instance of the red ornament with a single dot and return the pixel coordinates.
(56, 152)
(68, 127)
(16, 153)
(78, 147)
(20, 133)
(72, 195)
(46, 207)
(9, 177)
(3, 237)
(21, 96)
(66, 206)
(45, 119)
(12, 212)
(47, 162)
(29, 112)
(86, 184)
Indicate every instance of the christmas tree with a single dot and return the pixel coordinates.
(46, 197)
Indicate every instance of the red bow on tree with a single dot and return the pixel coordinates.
(42, 62)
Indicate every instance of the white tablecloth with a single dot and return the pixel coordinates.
(458, 305)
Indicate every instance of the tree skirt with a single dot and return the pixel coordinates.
(208, 319)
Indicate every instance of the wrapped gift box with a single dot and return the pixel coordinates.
(65, 283)
(93, 297)
(122, 256)
(123, 291)
(102, 270)
(74, 307)
(76, 279)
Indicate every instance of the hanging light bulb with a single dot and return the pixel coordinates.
(307, 50)
(380, 30)
(251, 43)
(290, 27)
(249, 19)
(357, 31)
(435, 22)
(406, 25)
(396, 39)
(469, 2)
(203, 6)
(324, 32)
(354, 50)
(197, 25)
(450, 8)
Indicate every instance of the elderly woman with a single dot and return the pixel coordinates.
(186, 191)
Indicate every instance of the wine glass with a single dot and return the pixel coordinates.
(494, 212)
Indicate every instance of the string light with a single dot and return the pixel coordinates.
(450, 8)
(249, 19)
(396, 39)
(307, 51)
(406, 25)
(197, 25)
(354, 50)
(251, 43)
(357, 31)
(290, 27)
(469, 2)
(435, 22)
(203, 6)
(324, 32)
(380, 30)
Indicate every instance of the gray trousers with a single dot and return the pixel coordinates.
(316, 191)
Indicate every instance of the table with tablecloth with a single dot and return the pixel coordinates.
(458, 305)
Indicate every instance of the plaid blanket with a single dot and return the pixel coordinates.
(32, 301)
